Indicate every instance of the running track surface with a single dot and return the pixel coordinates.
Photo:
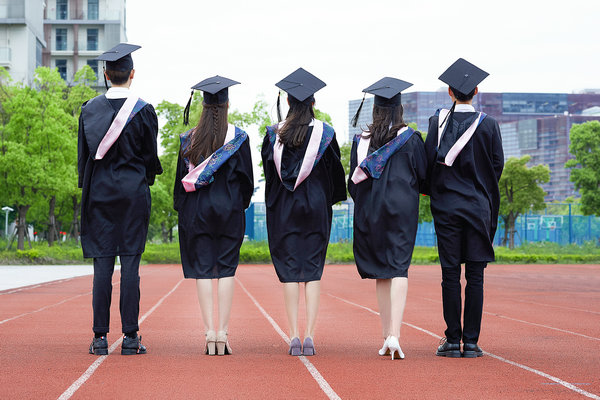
(541, 334)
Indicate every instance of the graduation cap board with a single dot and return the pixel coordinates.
(463, 76)
(118, 58)
(387, 93)
(215, 91)
(300, 85)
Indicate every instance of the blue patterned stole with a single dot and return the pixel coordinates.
(374, 164)
(217, 159)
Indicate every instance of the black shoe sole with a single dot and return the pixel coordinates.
(100, 352)
(451, 353)
(131, 352)
(472, 354)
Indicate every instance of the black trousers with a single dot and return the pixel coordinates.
(129, 302)
(452, 302)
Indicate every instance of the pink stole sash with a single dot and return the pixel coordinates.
(189, 181)
(116, 128)
(361, 153)
(461, 142)
(310, 156)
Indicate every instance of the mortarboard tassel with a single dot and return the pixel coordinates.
(104, 76)
(279, 107)
(186, 111)
(450, 113)
(354, 120)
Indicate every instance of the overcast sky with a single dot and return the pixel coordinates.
(526, 46)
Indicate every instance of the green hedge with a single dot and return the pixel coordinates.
(338, 253)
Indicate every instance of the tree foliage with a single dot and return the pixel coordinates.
(520, 192)
(585, 168)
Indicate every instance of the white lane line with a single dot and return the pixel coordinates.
(525, 367)
(323, 384)
(51, 305)
(38, 285)
(92, 368)
(552, 305)
(528, 322)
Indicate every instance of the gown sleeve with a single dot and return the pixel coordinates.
(149, 145)
(268, 167)
(353, 165)
(83, 152)
(497, 151)
(336, 172)
(245, 173)
(178, 190)
(430, 152)
(420, 162)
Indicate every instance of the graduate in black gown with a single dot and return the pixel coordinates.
(117, 161)
(464, 150)
(213, 187)
(304, 178)
(388, 168)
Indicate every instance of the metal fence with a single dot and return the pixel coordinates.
(559, 223)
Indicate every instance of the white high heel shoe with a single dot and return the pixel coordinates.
(385, 349)
(394, 347)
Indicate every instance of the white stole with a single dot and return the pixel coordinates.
(189, 181)
(312, 150)
(461, 142)
(116, 128)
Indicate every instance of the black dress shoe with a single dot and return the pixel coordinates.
(471, 350)
(132, 346)
(447, 349)
(99, 346)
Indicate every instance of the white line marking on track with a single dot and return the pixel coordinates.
(38, 285)
(323, 384)
(52, 305)
(92, 368)
(552, 305)
(528, 322)
(525, 367)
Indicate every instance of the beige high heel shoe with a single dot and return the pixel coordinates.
(211, 340)
(385, 349)
(223, 346)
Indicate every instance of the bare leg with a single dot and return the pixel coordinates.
(290, 296)
(383, 287)
(205, 297)
(312, 294)
(225, 294)
(398, 292)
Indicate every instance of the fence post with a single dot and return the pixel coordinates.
(570, 225)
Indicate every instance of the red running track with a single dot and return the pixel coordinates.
(541, 332)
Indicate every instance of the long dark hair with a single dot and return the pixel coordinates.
(209, 134)
(301, 113)
(379, 131)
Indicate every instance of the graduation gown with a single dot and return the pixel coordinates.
(299, 220)
(211, 218)
(465, 198)
(386, 209)
(115, 202)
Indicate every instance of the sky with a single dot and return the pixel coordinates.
(526, 46)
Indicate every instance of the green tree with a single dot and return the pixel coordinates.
(585, 168)
(520, 192)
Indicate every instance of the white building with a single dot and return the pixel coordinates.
(77, 31)
(21, 37)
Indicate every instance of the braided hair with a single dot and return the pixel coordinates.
(209, 134)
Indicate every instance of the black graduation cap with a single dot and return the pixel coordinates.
(463, 76)
(301, 85)
(119, 57)
(387, 93)
(215, 91)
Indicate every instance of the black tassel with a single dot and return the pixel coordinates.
(104, 76)
(354, 120)
(279, 119)
(450, 113)
(186, 111)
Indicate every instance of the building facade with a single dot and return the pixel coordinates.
(77, 31)
(21, 38)
(537, 124)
